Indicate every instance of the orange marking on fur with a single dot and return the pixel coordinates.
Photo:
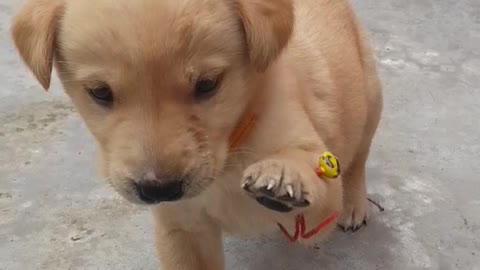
(241, 131)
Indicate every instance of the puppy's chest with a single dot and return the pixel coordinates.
(234, 210)
(274, 131)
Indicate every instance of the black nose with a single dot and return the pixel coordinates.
(154, 192)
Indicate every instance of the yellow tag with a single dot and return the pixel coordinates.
(329, 165)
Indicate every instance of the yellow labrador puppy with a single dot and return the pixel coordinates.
(215, 112)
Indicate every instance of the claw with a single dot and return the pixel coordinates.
(267, 192)
(343, 228)
(290, 191)
(271, 184)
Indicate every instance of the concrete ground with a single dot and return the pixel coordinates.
(56, 214)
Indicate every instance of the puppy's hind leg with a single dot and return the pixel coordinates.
(200, 248)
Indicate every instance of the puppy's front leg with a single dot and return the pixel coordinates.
(195, 245)
(287, 181)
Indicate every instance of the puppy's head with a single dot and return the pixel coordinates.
(160, 84)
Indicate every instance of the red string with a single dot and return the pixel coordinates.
(285, 233)
(317, 229)
(300, 226)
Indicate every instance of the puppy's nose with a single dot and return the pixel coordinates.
(154, 192)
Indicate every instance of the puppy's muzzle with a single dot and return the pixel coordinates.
(153, 192)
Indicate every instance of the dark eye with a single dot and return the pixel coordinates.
(102, 95)
(205, 88)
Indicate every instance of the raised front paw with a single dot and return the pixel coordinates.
(277, 184)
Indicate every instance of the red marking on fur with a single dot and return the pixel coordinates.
(300, 228)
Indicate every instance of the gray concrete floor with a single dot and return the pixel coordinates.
(56, 214)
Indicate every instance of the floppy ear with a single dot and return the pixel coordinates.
(34, 35)
(268, 26)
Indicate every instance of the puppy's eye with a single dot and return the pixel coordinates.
(205, 88)
(102, 95)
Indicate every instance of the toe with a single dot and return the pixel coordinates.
(353, 218)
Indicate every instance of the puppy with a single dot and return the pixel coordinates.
(215, 112)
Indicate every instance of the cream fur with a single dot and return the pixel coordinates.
(302, 64)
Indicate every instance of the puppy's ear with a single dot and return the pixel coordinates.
(34, 31)
(268, 26)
